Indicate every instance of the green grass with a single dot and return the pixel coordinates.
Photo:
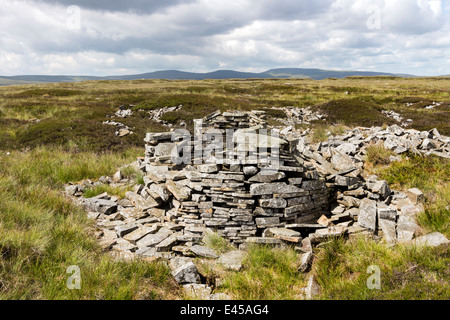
(267, 274)
(432, 176)
(217, 243)
(407, 272)
(43, 233)
(112, 191)
(377, 154)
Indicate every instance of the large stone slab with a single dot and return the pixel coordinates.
(232, 260)
(153, 239)
(267, 176)
(341, 161)
(389, 230)
(275, 203)
(180, 193)
(273, 188)
(387, 213)
(407, 228)
(203, 251)
(283, 234)
(368, 214)
(140, 202)
(434, 239)
(160, 190)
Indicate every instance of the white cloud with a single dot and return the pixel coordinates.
(140, 36)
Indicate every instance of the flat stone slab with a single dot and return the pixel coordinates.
(204, 252)
(275, 203)
(267, 176)
(407, 228)
(138, 234)
(330, 232)
(434, 239)
(273, 188)
(140, 202)
(153, 239)
(232, 260)
(389, 231)
(180, 193)
(368, 214)
(283, 234)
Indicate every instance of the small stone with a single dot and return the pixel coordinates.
(312, 290)
(415, 195)
(381, 188)
(387, 213)
(306, 245)
(250, 170)
(305, 261)
(323, 221)
(117, 176)
(197, 291)
(184, 270)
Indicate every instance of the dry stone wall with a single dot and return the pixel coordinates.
(251, 182)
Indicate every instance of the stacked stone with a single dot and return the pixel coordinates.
(158, 147)
(240, 196)
(367, 204)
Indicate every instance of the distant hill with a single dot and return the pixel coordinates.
(319, 74)
(316, 74)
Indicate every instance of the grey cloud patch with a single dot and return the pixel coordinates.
(137, 6)
(291, 10)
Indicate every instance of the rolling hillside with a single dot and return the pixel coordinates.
(316, 74)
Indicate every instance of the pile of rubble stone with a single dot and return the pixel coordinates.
(156, 114)
(295, 115)
(313, 193)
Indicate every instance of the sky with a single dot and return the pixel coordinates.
(111, 37)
